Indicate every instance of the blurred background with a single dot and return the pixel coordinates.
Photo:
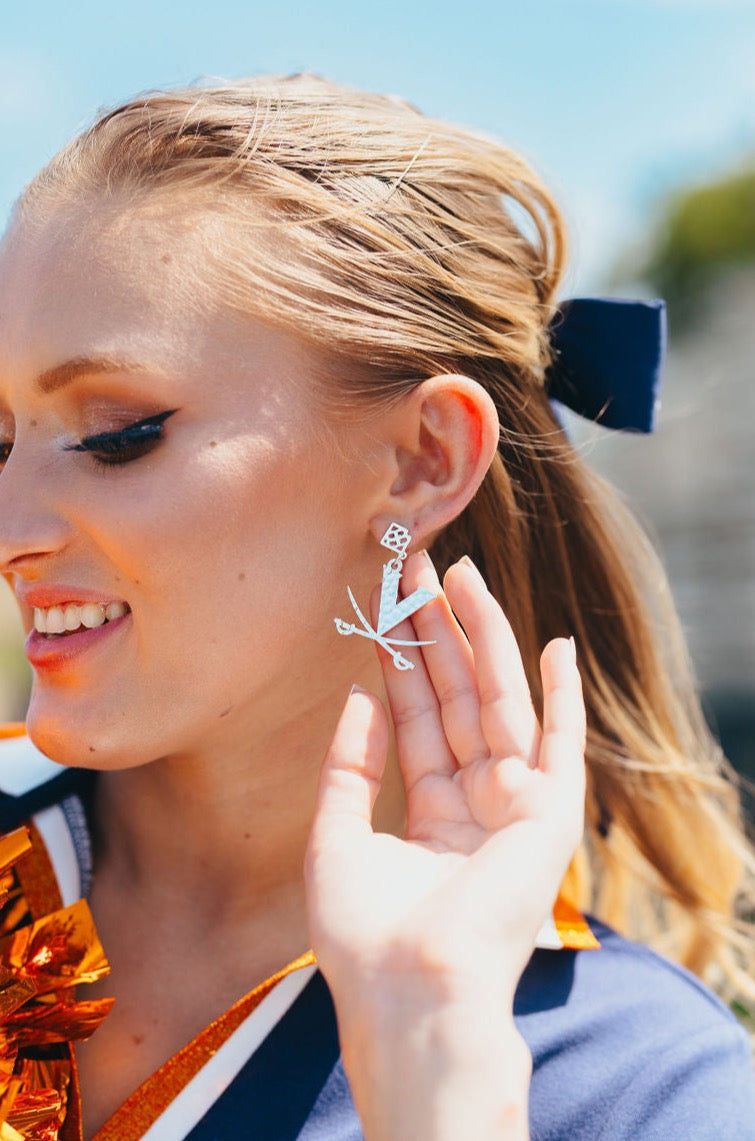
(641, 115)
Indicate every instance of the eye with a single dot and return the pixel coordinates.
(113, 448)
(7, 436)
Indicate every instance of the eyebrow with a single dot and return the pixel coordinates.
(61, 374)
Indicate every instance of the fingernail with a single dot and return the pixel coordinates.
(573, 645)
(434, 582)
(467, 562)
(356, 689)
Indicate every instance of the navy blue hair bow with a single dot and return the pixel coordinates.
(607, 360)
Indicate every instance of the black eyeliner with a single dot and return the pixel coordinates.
(142, 431)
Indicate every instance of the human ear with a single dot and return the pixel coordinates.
(443, 437)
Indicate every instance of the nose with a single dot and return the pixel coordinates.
(32, 528)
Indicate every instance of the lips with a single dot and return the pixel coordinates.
(55, 653)
(50, 652)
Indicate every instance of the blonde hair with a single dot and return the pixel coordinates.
(413, 247)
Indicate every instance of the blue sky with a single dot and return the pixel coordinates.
(615, 101)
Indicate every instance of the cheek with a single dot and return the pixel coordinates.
(241, 538)
(168, 517)
(233, 582)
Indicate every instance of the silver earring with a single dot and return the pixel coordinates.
(392, 609)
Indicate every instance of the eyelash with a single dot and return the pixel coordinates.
(113, 449)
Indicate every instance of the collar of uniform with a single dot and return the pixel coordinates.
(27, 773)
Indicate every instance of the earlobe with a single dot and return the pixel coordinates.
(446, 435)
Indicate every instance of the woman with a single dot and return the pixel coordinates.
(247, 333)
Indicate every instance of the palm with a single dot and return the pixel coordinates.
(493, 805)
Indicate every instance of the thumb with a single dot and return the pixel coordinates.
(350, 775)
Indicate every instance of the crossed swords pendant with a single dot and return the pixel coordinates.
(392, 609)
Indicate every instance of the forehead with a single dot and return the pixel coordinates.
(91, 271)
(136, 283)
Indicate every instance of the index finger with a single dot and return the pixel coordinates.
(421, 742)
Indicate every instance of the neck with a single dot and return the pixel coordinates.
(222, 832)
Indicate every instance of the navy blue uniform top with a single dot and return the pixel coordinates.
(625, 1045)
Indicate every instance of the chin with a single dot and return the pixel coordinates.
(56, 742)
(55, 728)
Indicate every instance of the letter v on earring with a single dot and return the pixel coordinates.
(392, 609)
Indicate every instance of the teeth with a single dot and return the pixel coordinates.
(66, 619)
(92, 614)
(71, 617)
(55, 621)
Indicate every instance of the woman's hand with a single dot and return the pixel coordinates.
(423, 939)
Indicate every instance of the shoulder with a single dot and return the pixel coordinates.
(627, 1044)
(30, 781)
